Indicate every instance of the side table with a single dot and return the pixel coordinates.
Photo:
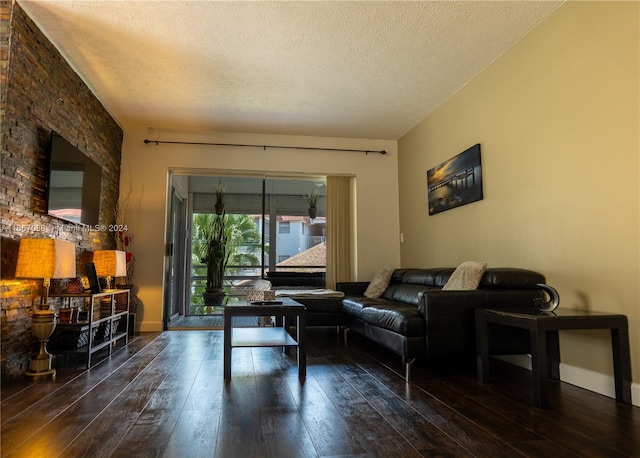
(545, 346)
(278, 336)
(98, 318)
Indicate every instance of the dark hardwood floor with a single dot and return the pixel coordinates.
(164, 396)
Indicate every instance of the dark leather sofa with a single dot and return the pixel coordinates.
(414, 318)
(321, 311)
(296, 279)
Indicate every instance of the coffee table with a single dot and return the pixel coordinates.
(543, 329)
(277, 336)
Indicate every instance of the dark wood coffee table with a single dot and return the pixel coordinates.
(545, 346)
(278, 336)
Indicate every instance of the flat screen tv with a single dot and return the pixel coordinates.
(73, 192)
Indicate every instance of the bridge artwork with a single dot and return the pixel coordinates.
(455, 182)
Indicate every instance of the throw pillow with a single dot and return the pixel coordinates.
(467, 276)
(258, 284)
(261, 285)
(379, 283)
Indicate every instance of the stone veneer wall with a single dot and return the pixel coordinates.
(40, 92)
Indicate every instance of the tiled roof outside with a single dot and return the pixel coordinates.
(314, 256)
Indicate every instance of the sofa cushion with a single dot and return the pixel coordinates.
(510, 278)
(443, 277)
(432, 276)
(405, 292)
(397, 317)
(466, 276)
(379, 282)
(424, 277)
(353, 305)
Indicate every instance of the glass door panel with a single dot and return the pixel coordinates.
(271, 226)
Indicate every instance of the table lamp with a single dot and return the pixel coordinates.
(46, 259)
(110, 263)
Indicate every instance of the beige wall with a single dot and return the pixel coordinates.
(557, 118)
(145, 170)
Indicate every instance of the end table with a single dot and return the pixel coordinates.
(545, 346)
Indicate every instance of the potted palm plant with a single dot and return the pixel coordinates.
(220, 195)
(214, 251)
(312, 200)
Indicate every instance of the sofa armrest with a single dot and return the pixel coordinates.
(352, 288)
(462, 304)
(450, 305)
(450, 317)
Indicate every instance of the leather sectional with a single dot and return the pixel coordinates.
(414, 318)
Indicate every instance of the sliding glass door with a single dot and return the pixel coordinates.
(271, 226)
(176, 266)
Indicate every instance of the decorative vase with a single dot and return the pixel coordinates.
(554, 298)
(219, 208)
(133, 300)
(75, 286)
(313, 211)
(213, 296)
(64, 314)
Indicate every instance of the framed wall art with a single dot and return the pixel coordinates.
(455, 182)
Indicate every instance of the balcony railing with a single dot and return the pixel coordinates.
(197, 282)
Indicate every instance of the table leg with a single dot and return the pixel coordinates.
(539, 369)
(228, 329)
(553, 354)
(621, 364)
(301, 330)
(282, 322)
(482, 351)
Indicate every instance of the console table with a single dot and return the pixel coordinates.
(543, 328)
(277, 336)
(98, 319)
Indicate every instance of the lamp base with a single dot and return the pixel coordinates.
(42, 375)
(43, 324)
(41, 369)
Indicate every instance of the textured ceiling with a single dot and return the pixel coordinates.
(344, 69)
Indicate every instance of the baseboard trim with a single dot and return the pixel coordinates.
(154, 326)
(583, 378)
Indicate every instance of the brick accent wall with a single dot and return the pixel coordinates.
(40, 92)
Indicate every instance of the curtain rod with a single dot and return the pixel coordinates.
(365, 151)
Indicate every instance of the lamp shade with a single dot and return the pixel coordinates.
(46, 258)
(110, 263)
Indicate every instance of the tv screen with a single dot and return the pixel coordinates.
(74, 183)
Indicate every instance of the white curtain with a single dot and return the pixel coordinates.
(341, 239)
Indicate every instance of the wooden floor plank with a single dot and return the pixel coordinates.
(164, 395)
(239, 431)
(368, 421)
(469, 435)
(21, 394)
(575, 425)
(285, 434)
(63, 414)
(195, 435)
(148, 400)
(328, 429)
